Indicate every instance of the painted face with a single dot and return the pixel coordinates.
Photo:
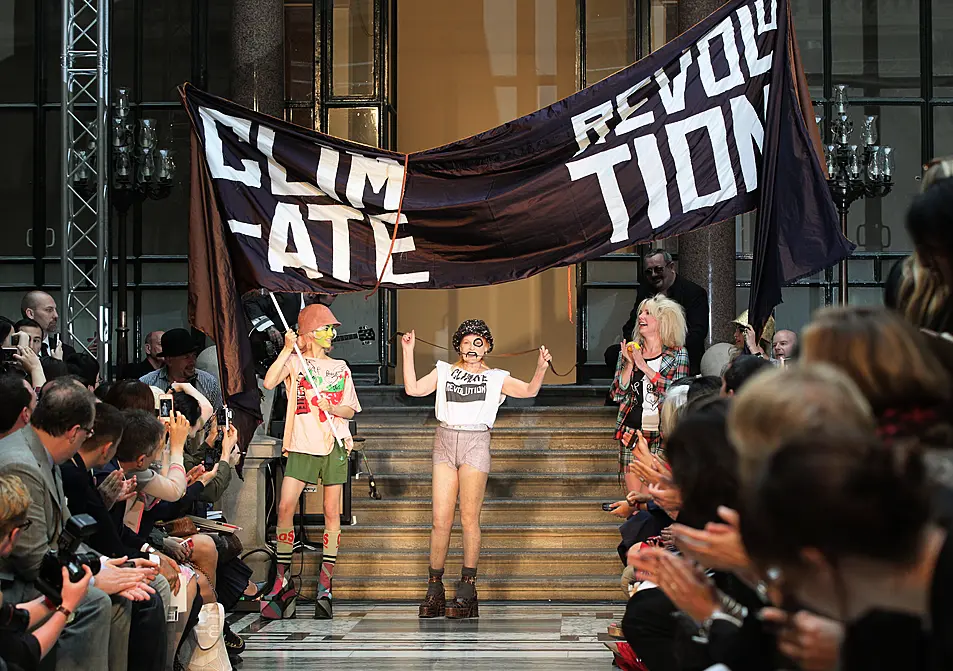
(323, 336)
(648, 323)
(473, 348)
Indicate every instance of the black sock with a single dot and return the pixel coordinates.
(466, 589)
(435, 586)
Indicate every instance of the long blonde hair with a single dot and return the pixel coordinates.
(921, 294)
(671, 321)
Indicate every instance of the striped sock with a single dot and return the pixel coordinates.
(286, 543)
(332, 541)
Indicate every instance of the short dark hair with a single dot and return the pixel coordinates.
(14, 396)
(6, 328)
(53, 368)
(102, 390)
(188, 406)
(141, 435)
(84, 366)
(63, 405)
(108, 427)
(703, 385)
(743, 369)
(658, 251)
(26, 321)
(929, 216)
(132, 395)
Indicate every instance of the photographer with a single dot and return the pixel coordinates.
(217, 454)
(97, 636)
(22, 643)
(19, 358)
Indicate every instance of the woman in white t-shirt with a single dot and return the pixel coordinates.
(469, 393)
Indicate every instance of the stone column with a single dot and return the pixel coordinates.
(258, 61)
(707, 256)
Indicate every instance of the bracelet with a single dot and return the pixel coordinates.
(67, 613)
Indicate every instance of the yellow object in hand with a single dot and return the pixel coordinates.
(632, 346)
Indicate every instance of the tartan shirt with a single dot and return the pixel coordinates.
(205, 383)
(673, 366)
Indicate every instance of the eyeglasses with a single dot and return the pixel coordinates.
(657, 270)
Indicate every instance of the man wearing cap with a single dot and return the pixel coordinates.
(178, 355)
(660, 277)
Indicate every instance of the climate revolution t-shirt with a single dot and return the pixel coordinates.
(468, 399)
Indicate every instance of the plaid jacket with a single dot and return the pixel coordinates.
(673, 366)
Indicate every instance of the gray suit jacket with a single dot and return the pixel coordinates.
(22, 454)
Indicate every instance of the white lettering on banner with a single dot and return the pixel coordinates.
(714, 123)
(241, 228)
(764, 25)
(401, 246)
(280, 186)
(602, 165)
(628, 125)
(596, 119)
(250, 174)
(338, 215)
(756, 65)
(653, 174)
(378, 172)
(748, 132)
(328, 172)
(288, 216)
(726, 33)
(672, 92)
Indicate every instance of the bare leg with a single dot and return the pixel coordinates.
(332, 507)
(205, 557)
(472, 490)
(445, 485)
(288, 500)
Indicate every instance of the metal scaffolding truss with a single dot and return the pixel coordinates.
(85, 177)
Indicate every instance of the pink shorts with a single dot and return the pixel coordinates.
(457, 448)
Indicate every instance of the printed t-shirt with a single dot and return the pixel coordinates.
(307, 428)
(468, 399)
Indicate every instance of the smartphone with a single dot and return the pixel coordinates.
(54, 337)
(608, 507)
(224, 418)
(166, 408)
(188, 543)
(23, 339)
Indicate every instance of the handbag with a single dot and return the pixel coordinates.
(182, 527)
(204, 648)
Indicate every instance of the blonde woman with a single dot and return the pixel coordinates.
(469, 393)
(647, 367)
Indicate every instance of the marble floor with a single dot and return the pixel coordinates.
(367, 636)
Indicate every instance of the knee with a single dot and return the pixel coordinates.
(442, 523)
(470, 521)
(204, 550)
(286, 510)
(96, 605)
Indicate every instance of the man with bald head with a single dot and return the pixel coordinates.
(784, 345)
(41, 308)
(152, 348)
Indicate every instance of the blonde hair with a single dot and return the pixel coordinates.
(935, 170)
(675, 400)
(14, 502)
(782, 403)
(921, 293)
(671, 321)
(887, 358)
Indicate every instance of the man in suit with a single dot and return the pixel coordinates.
(41, 308)
(660, 277)
(152, 346)
(98, 635)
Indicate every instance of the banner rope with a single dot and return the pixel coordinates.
(505, 355)
(393, 239)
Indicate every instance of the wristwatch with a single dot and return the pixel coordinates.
(67, 613)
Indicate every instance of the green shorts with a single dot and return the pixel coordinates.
(329, 469)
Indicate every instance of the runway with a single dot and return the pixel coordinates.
(367, 636)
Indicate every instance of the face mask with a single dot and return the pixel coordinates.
(324, 336)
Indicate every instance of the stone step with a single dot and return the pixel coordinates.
(532, 416)
(384, 537)
(507, 438)
(550, 395)
(557, 485)
(497, 563)
(568, 588)
(399, 461)
(496, 511)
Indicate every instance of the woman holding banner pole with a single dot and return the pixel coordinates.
(469, 393)
(321, 400)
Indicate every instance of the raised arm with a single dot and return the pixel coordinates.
(204, 405)
(276, 372)
(414, 387)
(519, 389)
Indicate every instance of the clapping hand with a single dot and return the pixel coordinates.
(717, 546)
(812, 641)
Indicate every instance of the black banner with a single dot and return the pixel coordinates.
(707, 128)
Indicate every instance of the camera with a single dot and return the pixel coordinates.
(224, 418)
(68, 554)
(166, 406)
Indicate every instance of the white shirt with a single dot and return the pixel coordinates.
(468, 399)
(650, 399)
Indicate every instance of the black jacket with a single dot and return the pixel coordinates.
(110, 538)
(694, 300)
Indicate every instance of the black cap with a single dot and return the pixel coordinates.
(178, 342)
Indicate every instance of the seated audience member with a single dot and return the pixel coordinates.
(784, 346)
(97, 636)
(930, 224)
(84, 366)
(152, 348)
(6, 332)
(17, 402)
(131, 395)
(32, 329)
(702, 386)
(53, 368)
(178, 354)
(29, 630)
(24, 361)
(144, 437)
(917, 293)
(742, 369)
(818, 515)
(196, 449)
(101, 391)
